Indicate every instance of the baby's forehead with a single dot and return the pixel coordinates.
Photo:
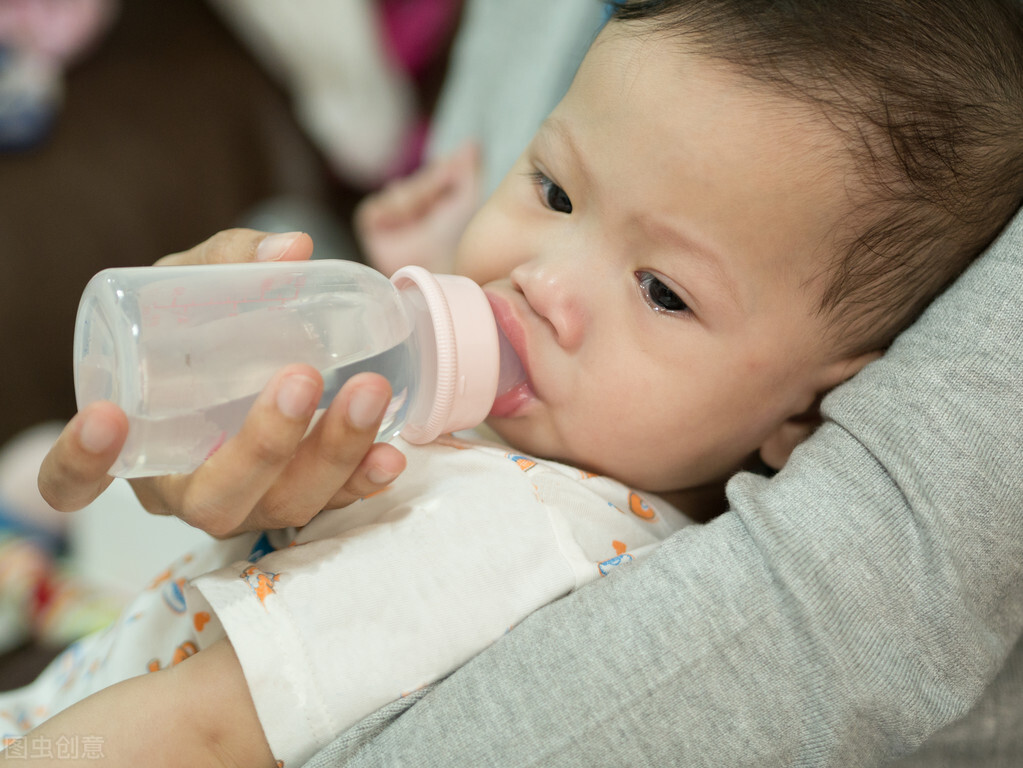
(682, 155)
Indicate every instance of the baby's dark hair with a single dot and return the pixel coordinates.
(929, 94)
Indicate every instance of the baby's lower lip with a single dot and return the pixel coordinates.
(510, 402)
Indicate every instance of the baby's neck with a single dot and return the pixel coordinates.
(701, 504)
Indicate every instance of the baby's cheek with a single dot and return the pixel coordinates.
(478, 245)
(484, 264)
(612, 444)
(494, 243)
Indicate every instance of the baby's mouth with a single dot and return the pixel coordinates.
(513, 386)
(508, 403)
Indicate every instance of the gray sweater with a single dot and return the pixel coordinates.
(864, 606)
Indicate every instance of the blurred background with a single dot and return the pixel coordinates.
(134, 129)
(174, 120)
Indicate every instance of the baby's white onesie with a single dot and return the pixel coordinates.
(370, 602)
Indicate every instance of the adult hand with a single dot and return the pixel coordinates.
(271, 474)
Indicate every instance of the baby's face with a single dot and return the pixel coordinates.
(656, 257)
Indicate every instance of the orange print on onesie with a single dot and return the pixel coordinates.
(261, 582)
(640, 508)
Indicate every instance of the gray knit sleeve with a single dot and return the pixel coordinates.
(840, 614)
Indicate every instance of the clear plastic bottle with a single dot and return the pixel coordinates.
(185, 351)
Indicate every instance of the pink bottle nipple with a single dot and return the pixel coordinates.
(511, 373)
(466, 354)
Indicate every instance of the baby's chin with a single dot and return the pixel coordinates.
(522, 437)
(532, 434)
(517, 438)
(497, 428)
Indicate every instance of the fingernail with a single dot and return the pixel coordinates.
(295, 396)
(365, 408)
(96, 435)
(273, 247)
(379, 476)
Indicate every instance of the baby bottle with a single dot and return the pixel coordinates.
(185, 351)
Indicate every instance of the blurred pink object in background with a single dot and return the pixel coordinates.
(60, 30)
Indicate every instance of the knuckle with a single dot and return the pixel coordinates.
(63, 494)
(341, 454)
(224, 246)
(53, 497)
(342, 448)
(226, 533)
(65, 469)
(269, 449)
(342, 498)
(147, 494)
(353, 491)
(359, 485)
(275, 513)
(217, 527)
(207, 517)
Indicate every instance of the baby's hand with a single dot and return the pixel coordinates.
(271, 474)
(420, 219)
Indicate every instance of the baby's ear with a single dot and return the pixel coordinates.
(778, 446)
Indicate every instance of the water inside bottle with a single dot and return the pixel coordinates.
(173, 442)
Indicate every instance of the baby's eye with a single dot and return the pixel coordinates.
(660, 297)
(554, 197)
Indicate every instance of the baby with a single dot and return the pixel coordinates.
(733, 210)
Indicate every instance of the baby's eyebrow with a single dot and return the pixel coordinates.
(553, 130)
(672, 238)
(557, 135)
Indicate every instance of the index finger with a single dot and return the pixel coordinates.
(240, 245)
(220, 495)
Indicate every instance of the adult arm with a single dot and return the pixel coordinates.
(274, 473)
(839, 614)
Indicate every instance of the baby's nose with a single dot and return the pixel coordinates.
(555, 291)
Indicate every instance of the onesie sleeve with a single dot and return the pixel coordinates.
(378, 600)
(839, 614)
